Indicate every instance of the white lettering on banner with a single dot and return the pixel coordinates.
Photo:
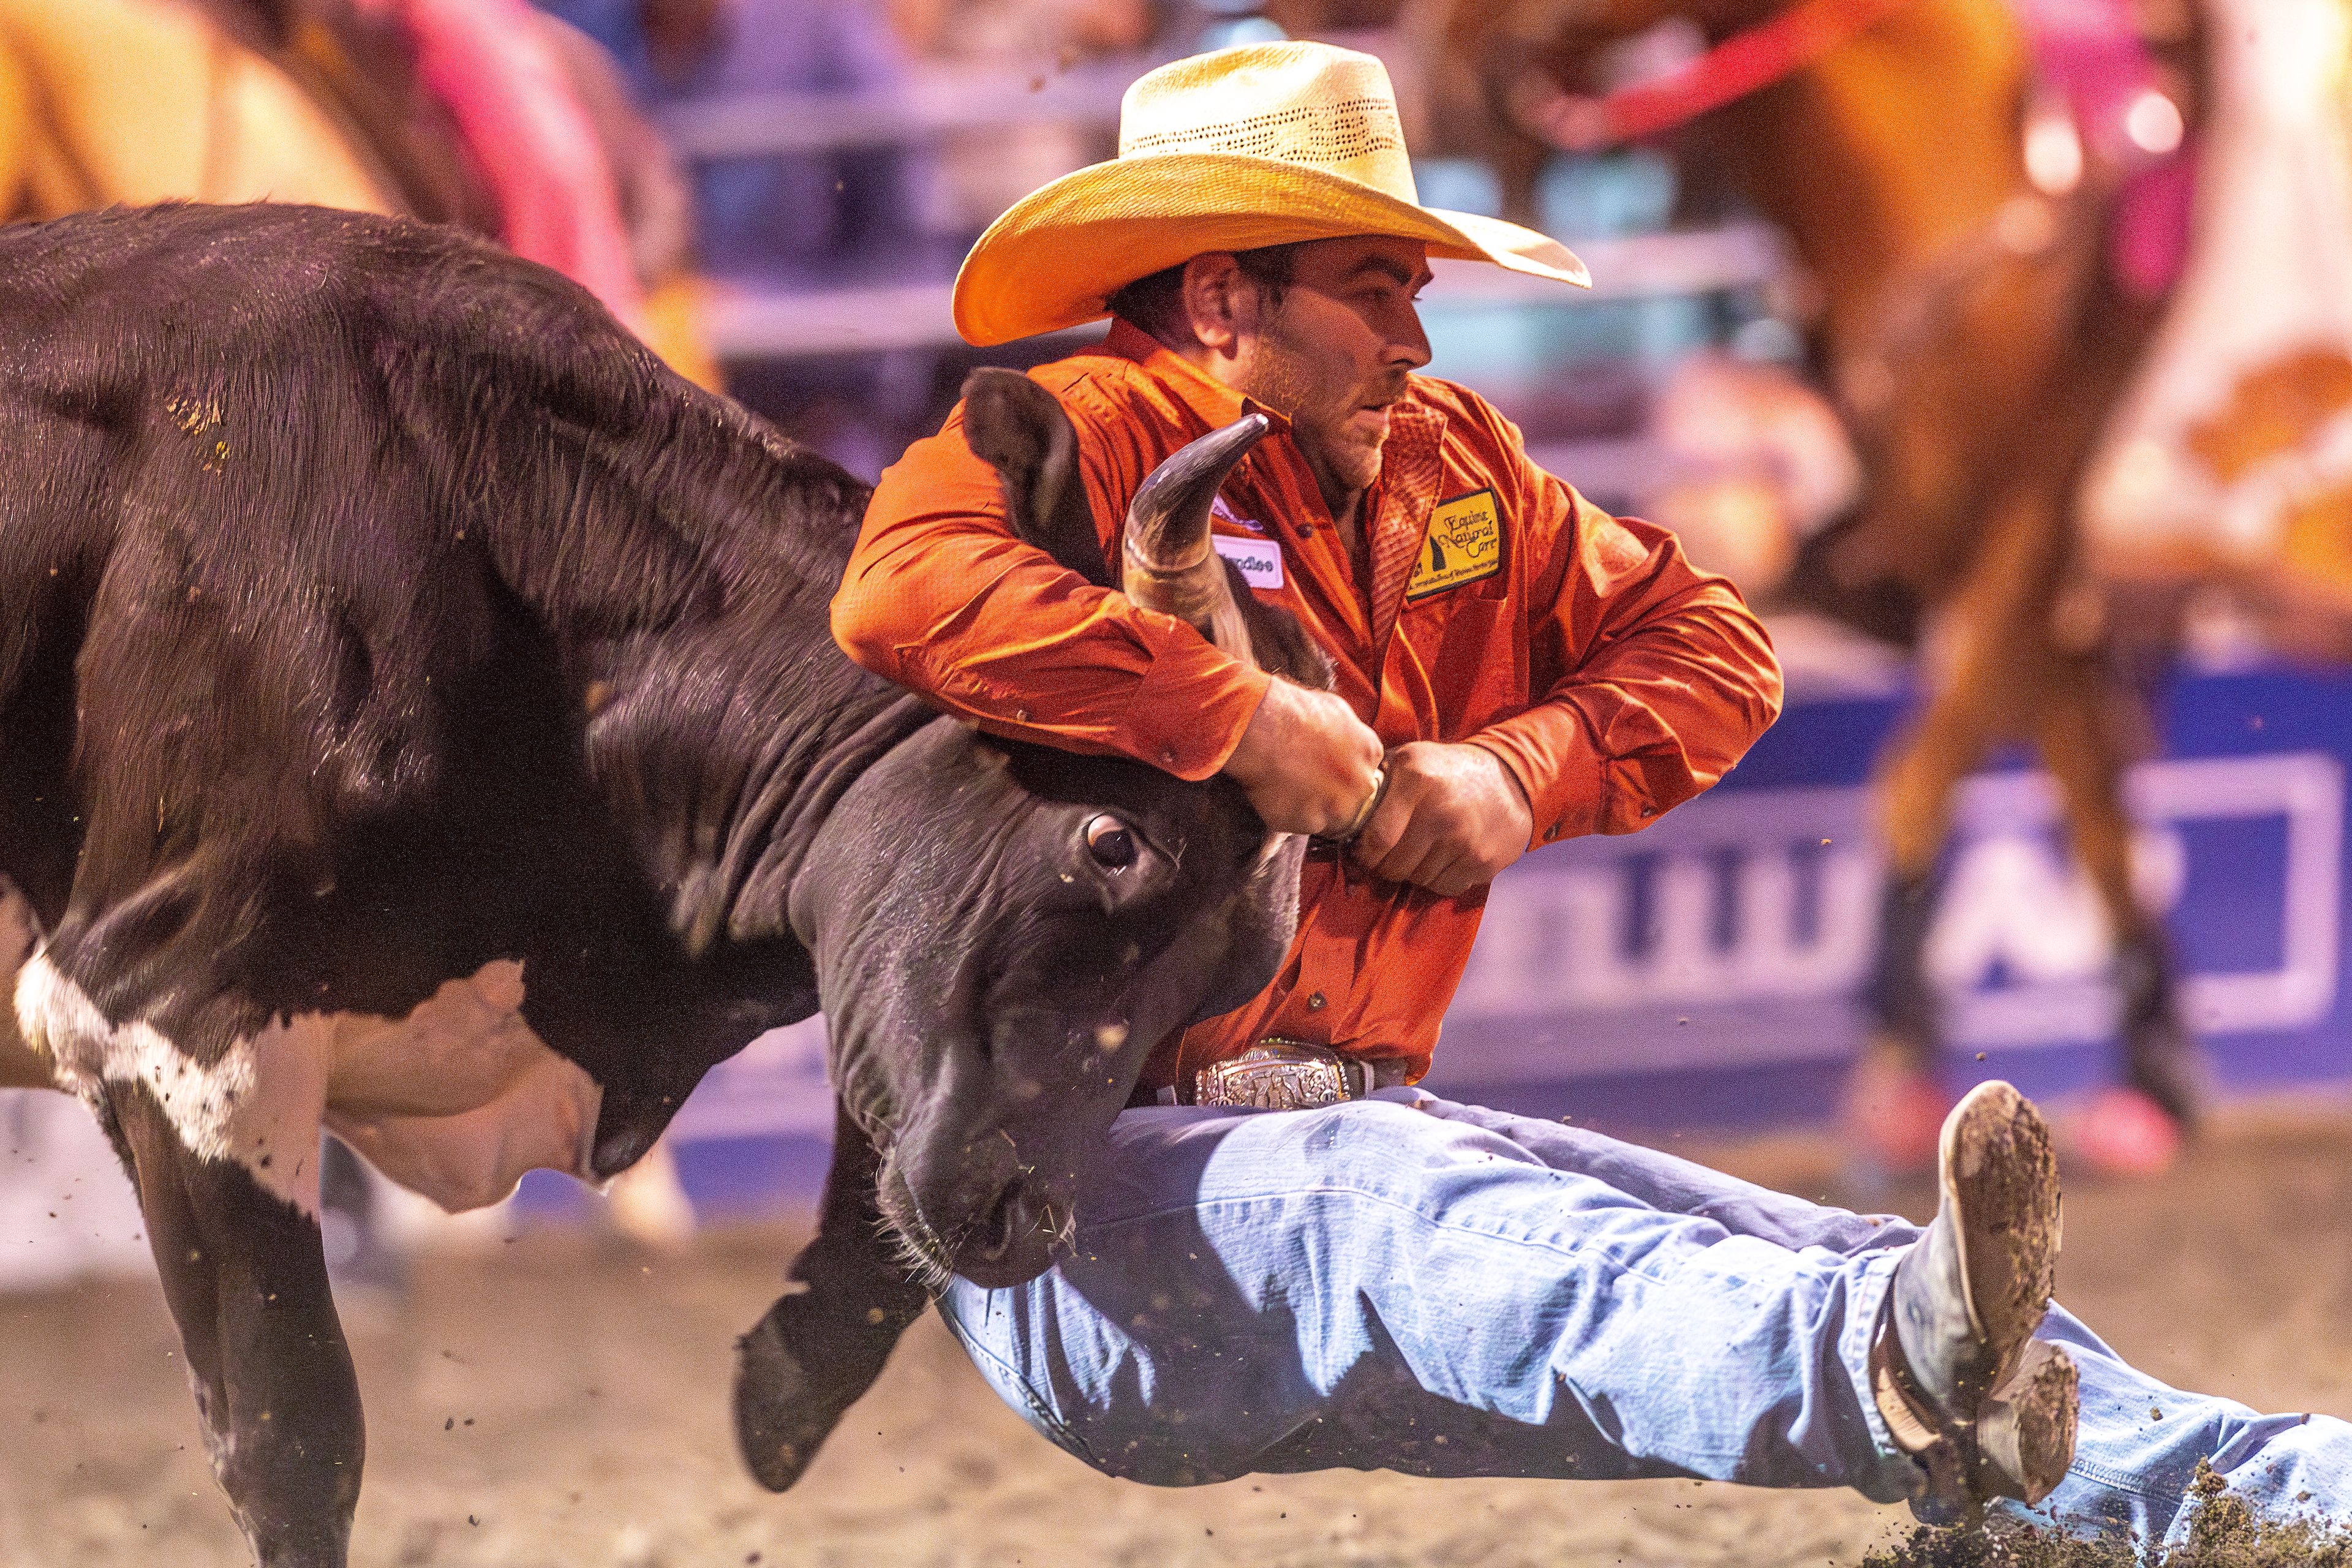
(1260, 559)
(1558, 937)
(1772, 897)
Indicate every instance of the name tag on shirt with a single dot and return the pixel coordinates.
(1464, 544)
(1259, 559)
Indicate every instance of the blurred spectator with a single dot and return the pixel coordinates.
(655, 209)
(822, 215)
(503, 81)
(983, 172)
(1066, 31)
(2226, 495)
(1315, 19)
(653, 41)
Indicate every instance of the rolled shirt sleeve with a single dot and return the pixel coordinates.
(1654, 677)
(942, 598)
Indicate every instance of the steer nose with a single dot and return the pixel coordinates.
(1012, 1237)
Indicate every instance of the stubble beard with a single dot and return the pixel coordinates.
(1283, 377)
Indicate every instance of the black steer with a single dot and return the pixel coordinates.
(418, 716)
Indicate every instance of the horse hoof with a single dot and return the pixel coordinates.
(2127, 1133)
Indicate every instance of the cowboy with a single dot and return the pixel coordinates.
(1372, 1277)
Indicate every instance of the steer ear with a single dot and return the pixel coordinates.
(1017, 427)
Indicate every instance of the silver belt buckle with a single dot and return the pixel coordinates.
(1279, 1074)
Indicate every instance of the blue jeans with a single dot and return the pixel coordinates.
(1447, 1290)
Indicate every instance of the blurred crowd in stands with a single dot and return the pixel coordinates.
(871, 208)
(866, 211)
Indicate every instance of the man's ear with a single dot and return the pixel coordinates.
(1017, 427)
(1218, 300)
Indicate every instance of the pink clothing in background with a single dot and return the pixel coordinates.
(2091, 53)
(489, 62)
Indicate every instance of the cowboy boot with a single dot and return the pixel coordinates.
(1984, 1409)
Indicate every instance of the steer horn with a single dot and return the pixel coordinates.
(1170, 564)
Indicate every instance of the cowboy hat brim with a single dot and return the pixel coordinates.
(1057, 255)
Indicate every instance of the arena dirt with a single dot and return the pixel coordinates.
(2223, 1533)
(556, 1402)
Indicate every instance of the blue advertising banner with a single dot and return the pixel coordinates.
(1706, 973)
(1703, 974)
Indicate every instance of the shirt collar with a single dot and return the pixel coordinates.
(1211, 400)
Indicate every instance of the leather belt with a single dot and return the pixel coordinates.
(1276, 1074)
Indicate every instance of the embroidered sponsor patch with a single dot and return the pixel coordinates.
(1465, 544)
(1259, 559)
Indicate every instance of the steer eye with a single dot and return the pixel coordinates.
(1110, 842)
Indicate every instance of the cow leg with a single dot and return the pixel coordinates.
(824, 1341)
(247, 1280)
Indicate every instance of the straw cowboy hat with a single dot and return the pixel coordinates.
(1262, 145)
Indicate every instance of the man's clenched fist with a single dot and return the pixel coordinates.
(1306, 762)
(1453, 816)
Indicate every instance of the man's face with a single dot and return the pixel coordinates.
(1335, 352)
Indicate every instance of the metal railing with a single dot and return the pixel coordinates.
(763, 322)
(932, 100)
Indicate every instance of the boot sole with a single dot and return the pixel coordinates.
(2001, 1172)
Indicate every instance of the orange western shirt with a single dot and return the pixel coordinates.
(1610, 675)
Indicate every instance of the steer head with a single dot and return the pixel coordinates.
(1002, 931)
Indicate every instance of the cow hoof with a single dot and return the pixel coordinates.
(778, 1421)
(788, 1400)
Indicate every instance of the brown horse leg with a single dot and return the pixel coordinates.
(246, 1281)
(1983, 666)
(2077, 734)
(824, 1342)
(1917, 776)
(1893, 1103)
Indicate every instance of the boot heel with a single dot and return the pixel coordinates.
(2025, 1429)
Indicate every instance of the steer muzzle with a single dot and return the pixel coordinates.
(1170, 564)
(976, 1206)
(1015, 1238)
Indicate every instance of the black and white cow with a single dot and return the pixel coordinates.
(418, 716)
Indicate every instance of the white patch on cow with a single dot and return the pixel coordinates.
(456, 1100)
(21, 1067)
(1260, 559)
(258, 1105)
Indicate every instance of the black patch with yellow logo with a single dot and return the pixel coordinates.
(1465, 544)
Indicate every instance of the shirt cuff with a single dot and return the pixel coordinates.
(1550, 751)
(1189, 713)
